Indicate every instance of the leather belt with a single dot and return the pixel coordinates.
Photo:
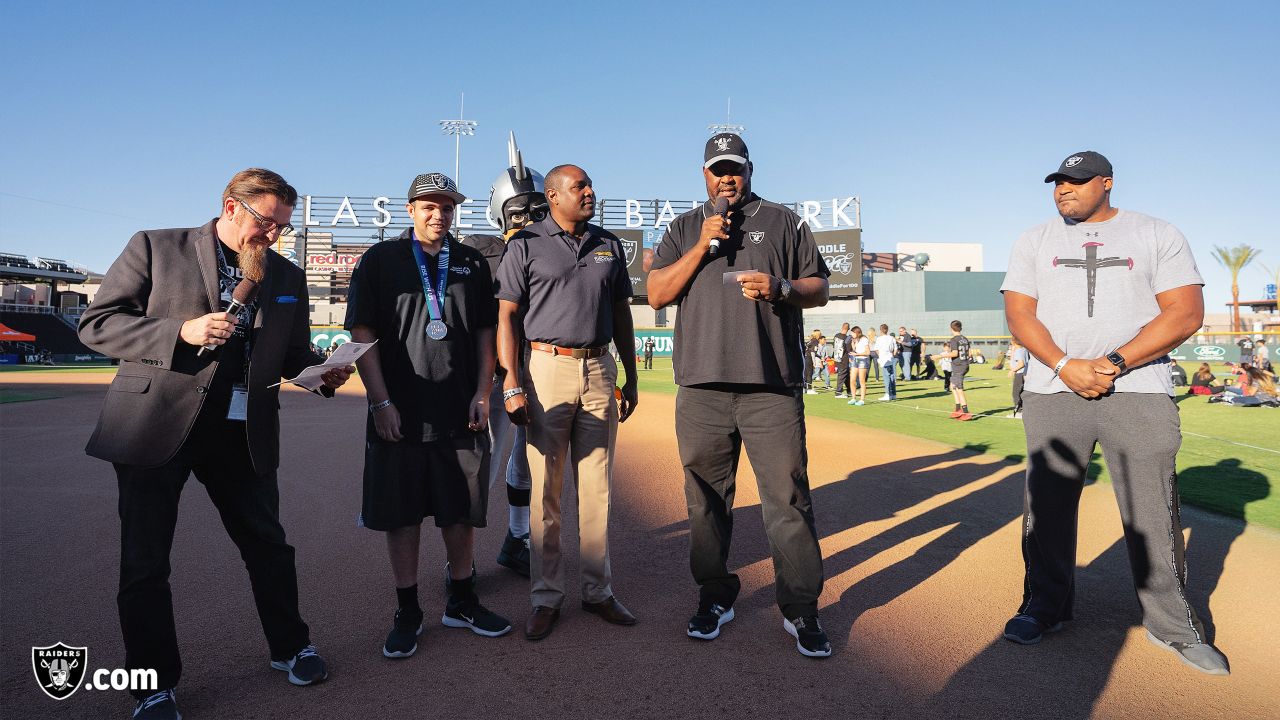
(575, 353)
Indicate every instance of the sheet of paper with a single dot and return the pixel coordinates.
(346, 354)
(732, 277)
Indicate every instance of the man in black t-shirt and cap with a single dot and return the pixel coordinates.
(741, 279)
(427, 300)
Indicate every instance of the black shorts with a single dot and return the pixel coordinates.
(957, 375)
(405, 482)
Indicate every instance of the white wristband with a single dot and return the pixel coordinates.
(508, 394)
(1061, 364)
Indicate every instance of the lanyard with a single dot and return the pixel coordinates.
(435, 294)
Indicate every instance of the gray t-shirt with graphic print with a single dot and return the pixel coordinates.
(1096, 286)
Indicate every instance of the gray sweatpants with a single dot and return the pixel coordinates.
(1140, 434)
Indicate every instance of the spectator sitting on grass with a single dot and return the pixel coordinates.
(1179, 374)
(1202, 381)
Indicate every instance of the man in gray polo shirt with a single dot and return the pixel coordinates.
(741, 279)
(1099, 297)
(563, 286)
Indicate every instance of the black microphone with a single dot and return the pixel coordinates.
(721, 208)
(242, 296)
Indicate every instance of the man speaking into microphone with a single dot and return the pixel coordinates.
(193, 395)
(742, 269)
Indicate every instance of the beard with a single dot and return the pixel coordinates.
(253, 261)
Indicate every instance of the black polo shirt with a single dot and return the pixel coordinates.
(430, 381)
(569, 286)
(721, 336)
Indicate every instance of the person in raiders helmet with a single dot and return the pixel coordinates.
(515, 200)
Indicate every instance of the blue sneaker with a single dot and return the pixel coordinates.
(160, 706)
(1026, 630)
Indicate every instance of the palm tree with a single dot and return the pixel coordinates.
(1234, 260)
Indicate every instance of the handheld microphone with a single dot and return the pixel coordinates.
(242, 296)
(721, 208)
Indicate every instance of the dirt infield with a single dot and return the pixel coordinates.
(920, 542)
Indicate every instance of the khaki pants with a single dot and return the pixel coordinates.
(572, 414)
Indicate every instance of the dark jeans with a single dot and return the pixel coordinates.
(901, 362)
(1018, 379)
(648, 361)
(712, 425)
(249, 504)
(842, 379)
(1139, 434)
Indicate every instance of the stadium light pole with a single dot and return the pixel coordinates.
(458, 128)
(727, 126)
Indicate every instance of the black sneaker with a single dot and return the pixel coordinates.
(305, 668)
(811, 639)
(402, 641)
(1026, 630)
(160, 706)
(448, 577)
(705, 624)
(469, 613)
(515, 553)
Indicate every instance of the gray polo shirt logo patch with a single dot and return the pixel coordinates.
(756, 237)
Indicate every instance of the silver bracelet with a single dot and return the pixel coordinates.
(1061, 364)
(508, 394)
(378, 406)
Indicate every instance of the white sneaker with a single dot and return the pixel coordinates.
(841, 395)
(810, 391)
(885, 398)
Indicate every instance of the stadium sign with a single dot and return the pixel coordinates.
(381, 212)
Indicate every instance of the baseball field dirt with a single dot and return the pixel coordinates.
(921, 548)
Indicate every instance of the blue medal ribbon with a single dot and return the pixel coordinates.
(435, 294)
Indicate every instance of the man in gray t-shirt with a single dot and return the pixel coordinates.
(1098, 297)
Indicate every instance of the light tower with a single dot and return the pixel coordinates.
(727, 126)
(458, 128)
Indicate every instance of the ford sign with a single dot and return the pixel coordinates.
(1210, 352)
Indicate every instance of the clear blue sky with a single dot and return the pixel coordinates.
(943, 117)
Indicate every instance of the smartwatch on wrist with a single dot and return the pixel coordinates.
(1115, 358)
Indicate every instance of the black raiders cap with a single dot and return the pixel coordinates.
(435, 184)
(1082, 166)
(725, 146)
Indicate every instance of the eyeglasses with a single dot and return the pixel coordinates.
(269, 226)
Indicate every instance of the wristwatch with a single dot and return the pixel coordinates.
(1117, 359)
(784, 290)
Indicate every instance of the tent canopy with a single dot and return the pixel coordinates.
(8, 334)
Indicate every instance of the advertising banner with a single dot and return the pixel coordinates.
(842, 251)
(663, 339)
(633, 246)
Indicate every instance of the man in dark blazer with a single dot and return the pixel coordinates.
(170, 412)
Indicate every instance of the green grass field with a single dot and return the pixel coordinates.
(1229, 463)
